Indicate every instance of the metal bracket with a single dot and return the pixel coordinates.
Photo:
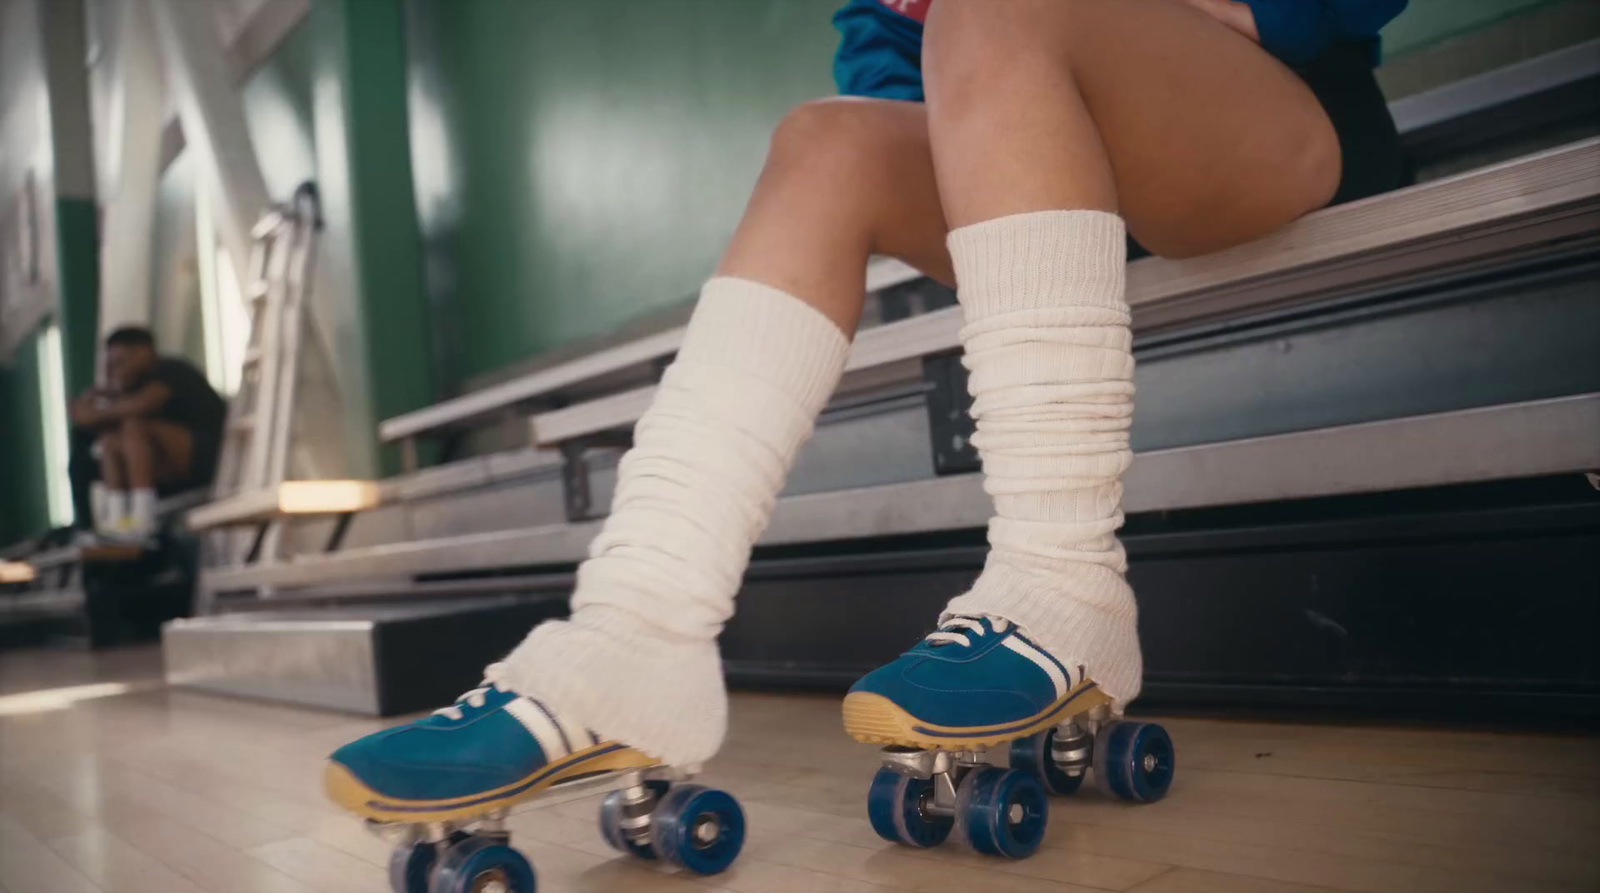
(659, 366)
(577, 496)
(950, 425)
(341, 526)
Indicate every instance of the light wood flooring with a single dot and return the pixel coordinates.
(164, 791)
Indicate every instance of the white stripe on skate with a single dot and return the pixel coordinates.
(573, 735)
(1050, 667)
(539, 726)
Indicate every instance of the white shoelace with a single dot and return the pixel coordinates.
(948, 631)
(475, 698)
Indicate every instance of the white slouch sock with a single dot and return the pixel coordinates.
(1049, 352)
(637, 662)
(142, 511)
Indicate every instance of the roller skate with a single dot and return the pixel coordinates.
(444, 786)
(976, 685)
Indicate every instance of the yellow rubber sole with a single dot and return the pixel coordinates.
(349, 792)
(874, 719)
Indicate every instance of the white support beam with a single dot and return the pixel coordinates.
(130, 194)
(200, 74)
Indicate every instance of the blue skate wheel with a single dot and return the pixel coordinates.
(611, 816)
(699, 828)
(1134, 761)
(1032, 754)
(409, 865)
(478, 863)
(898, 806)
(1002, 812)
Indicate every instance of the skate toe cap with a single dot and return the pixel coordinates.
(426, 764)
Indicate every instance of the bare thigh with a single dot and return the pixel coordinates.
(1197, 136)
(1193, 132)
(173, 450)
(844, 178)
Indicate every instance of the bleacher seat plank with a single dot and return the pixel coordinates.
(514, 464)
(1529, 202)
(110, 553)
(881, 273)
(438, 480)
(1507, 441)
(1483, 216)
(319, 497)
(100, 552)
(510, 393)
(40, 603)
(467, 474)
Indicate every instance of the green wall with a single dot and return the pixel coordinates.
(372, 248)
(24, 503)
(1429, 22)
(78, 292)
(604, 153)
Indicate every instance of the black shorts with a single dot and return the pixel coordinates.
(1369, 147)
(1343, 82)
(204, 455)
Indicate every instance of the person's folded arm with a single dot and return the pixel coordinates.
(142, 402)
(83, 411)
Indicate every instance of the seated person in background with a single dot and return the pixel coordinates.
(158, 425)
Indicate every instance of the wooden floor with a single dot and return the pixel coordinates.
(151, 790)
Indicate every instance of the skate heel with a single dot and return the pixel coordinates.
(923, 796)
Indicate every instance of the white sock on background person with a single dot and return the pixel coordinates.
(116, 510)
(142, 510)
(1049, 352)
(638, 662)
(101, 518)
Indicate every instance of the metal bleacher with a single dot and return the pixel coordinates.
(1412, 379)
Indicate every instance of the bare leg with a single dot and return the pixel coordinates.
(162, 450)
(1046, 119)
(1149, 108)
(1196, 136)
(845, 178)
(112, 470)
(138, 454)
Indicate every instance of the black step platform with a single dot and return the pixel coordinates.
(1477, 602)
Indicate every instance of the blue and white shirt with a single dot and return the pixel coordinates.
(880, 54)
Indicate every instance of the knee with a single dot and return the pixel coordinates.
(832, 139)
(133, 434)
(968, 46)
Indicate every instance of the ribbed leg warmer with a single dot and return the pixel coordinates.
(637, 662)
(1048, 348)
